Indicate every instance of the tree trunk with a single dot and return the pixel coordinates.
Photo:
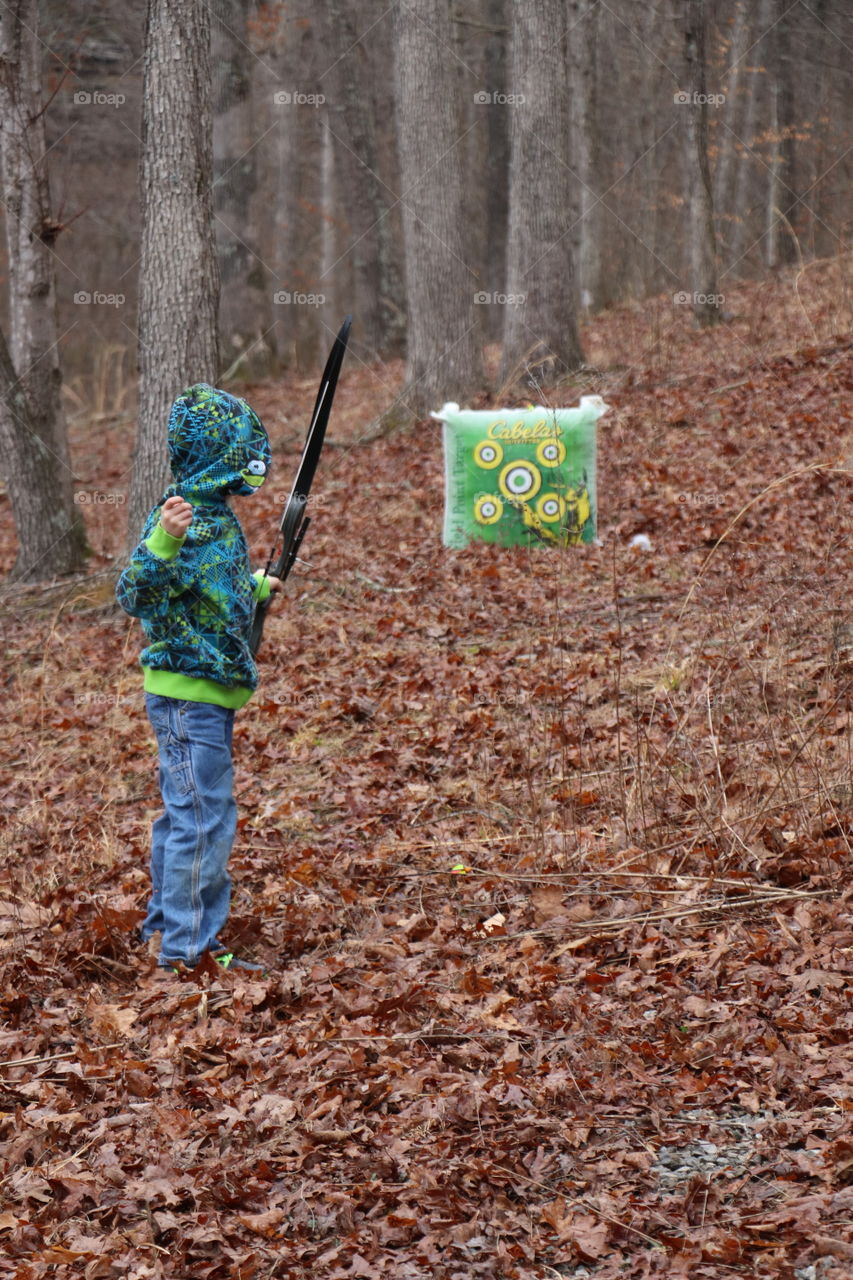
(244, 310)
(540, 326)
(178, 287)
(771, 211)
(364, 201)
(703, 248)
(36, 462)
(741, 203)
(819, 213)
(298, 113)
(729, 120)
(338, 294)
(631, 171)
(496, 161)
(444, 352)
(583, 62)
(480, 45)
(781, 245)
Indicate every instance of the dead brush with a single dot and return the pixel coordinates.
(107, 390)
(729, 750)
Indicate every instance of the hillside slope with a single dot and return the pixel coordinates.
(548, 853)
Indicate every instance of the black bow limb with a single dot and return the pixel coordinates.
(294, 521)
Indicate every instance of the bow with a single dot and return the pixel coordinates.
(294, 521)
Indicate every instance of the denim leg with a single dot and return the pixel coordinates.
(196, 779)
(153, 922)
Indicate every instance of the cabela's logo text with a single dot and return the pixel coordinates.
(544, 429)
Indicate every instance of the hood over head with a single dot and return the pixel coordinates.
(217, 444)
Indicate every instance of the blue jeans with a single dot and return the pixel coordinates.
(191, 840)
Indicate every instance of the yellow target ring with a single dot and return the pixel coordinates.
(520, 481)
(551, 509)
(488, 454)
(551, 453)
(488, 509)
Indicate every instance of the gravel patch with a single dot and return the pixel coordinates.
(729, 1156)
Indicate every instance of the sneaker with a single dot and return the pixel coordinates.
(228, 960)
(210, 963)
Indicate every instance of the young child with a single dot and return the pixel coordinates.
(190, 584)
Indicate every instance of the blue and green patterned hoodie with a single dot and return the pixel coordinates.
(195, 595)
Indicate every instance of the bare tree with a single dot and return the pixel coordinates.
(733, 113)
(625, 169)
(178, 292)
(703, 245)
(582, 38)
(540, 329)
(781, 243)
(746, 162)
(351, 78)
(480, 29)
(244, 302)
(444, 352)
(33, 443)
(824, 103)
(298, 212)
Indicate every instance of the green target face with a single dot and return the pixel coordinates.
(520, 477)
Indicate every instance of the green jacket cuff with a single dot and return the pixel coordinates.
(162, 545)
(262, 585)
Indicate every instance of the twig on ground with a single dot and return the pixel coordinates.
(54, 1057)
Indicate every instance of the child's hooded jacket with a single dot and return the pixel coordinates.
(195, 595)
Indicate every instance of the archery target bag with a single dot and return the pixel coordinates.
(515, 476)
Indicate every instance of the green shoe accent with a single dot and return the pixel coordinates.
(228, 960)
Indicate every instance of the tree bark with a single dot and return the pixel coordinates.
(745, 162)
(496, 161)
(337, 292)
(818, 213)
(298, 112)
(364, 209)
(540, 326)
(33, 441)
(244, 310)
(480, 45)
(179, 286)
(582, 39)
(444, 351)
(703, 247)
(781, 244)
(725, 169)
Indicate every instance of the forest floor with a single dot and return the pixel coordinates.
(618, 1042)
